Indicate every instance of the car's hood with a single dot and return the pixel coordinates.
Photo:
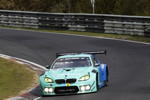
(68, 72)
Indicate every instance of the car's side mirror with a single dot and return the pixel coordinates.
(97, 64)
(47, 66)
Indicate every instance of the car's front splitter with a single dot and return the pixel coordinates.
(65, 89)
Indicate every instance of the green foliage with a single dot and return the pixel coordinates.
(6, 4)
(123, 7)
(132, 7)
(105, 6)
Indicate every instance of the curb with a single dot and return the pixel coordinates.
(38, 68)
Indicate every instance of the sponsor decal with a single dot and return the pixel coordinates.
(102, 67)
(67, 84)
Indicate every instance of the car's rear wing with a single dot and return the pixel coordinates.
(83, 52)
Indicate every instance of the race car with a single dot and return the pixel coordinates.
(74, 73)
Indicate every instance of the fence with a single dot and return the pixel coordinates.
(102, 23)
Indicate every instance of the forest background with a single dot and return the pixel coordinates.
(119, 7)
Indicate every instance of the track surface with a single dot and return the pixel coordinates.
(129, 63)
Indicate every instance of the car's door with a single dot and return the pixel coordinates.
(101, 69)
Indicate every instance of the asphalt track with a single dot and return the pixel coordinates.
(129, 63)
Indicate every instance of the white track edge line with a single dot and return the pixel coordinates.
(37, 98)
(7, 57)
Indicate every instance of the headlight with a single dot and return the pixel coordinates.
(48, 80)
(85, 88)
(84, 78)
(48, 90)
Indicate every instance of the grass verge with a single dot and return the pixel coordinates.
(15, 79)
(106, 35)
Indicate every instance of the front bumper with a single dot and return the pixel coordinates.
(64, 89)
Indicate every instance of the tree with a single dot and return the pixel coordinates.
(6, 4)
(123, 7)
(105, 6)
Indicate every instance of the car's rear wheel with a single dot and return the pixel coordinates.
(107, 73)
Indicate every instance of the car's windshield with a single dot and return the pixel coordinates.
(72, 62)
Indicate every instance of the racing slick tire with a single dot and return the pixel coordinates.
(107, 74)
(97, 85)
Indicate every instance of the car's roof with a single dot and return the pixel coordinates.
(75, 55)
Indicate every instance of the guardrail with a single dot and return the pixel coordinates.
(103, 23)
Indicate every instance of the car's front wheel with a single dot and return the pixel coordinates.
(97, 83)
